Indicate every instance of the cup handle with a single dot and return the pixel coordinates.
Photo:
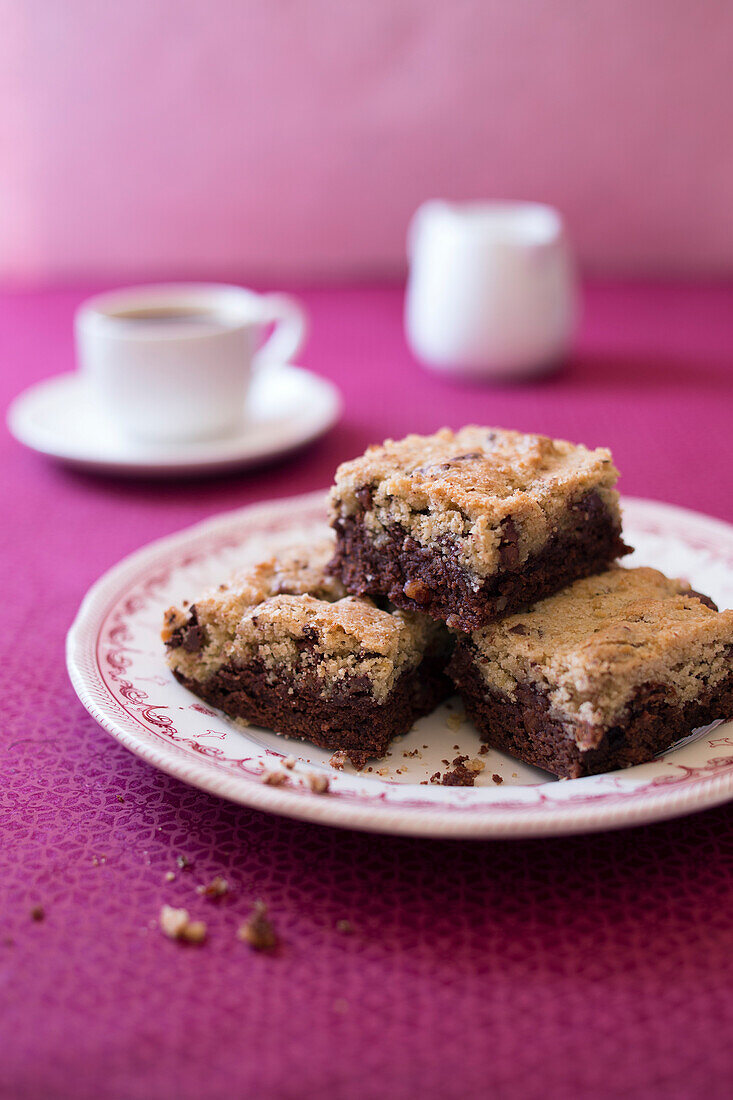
(288, 337)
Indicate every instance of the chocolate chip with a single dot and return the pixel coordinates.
(509, 545)
(701, 597)
(520, 628)
(191, 637)
(194, 639)
(467, 457)
(364, 496)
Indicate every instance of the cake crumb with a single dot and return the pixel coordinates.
(289, 763)
(38, 913)
(415, 752)
(338, 760)
(319, 784)
(120, 798)
(462, 775)
(483, 750)
(273, 779)
(455, 721)
(382, 771)
(217, 888)
(435, 777)
(169, 876)
(184, 863)
(177, 925)
(257, 930)
(345, 927)
(475, 766)
(497, 778)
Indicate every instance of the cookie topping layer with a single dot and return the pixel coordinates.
(590, 647)
(464, 488)
(287, 614)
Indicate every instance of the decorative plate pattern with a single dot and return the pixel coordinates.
(116, 665)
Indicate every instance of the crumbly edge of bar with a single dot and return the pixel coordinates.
(589, 653)
(289, 611)
(335, 642)
(432, 580)
(439, 502)
(351, 721)
(525, 727)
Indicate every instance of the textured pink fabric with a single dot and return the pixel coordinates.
(598, 966)
(287, 137)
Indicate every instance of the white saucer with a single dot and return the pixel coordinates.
(287, 407)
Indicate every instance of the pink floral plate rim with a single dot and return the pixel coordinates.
(101, 657)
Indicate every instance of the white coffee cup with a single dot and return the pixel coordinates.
(491, 289)
(172, 362)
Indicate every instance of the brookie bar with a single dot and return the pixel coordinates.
(606, 674)
(471, 525)
(283, 646)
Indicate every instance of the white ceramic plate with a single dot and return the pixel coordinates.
(116, 664)
(286, 408)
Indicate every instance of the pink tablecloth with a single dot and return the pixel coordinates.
(591, 966)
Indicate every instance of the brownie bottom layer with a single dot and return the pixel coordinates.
(525, 729)
(430, 580)
(350, 721)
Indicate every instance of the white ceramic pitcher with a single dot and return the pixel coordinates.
(491, 289)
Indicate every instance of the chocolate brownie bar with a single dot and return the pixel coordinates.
(606, 674)
(283, 646)
(467, 526)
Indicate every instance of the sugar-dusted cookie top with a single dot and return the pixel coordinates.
(475, 470)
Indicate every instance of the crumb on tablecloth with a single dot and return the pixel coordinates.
(257, 930)
(217, 888)
(176, 924)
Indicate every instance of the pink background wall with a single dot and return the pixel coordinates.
(295, 137)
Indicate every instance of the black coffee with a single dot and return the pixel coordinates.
(169, 315)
